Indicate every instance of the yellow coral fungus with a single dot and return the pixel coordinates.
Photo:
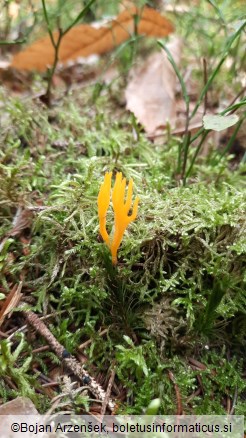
(103, 201)
(121, 209)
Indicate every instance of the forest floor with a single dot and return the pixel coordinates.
(168, 321)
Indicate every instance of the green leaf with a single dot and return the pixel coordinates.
(219, 123)
(153, 407)
(128, 340)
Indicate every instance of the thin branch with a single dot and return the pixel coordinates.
(205, 80)
(69, 361)
(108, 392)
(177, 392)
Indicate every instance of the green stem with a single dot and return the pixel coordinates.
(176, 69)
(48, 23)
(206, 87)
(56, 44)
(186, 149)
(233, 107)
(221, 113)
(79, 16)
(186, 142)
(179, 159)
(53, 68)
(216, 70)
(231, 141)
(221, 16)
(205, 133)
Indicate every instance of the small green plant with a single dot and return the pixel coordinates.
(221, 378)
(131, 360)
(18, 373)
(57, 42)
(184, 170)
(71, 399)
(206, 321)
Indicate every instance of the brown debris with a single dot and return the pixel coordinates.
(86, 40)
(68, 360)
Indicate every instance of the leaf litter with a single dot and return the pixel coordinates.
(85, 40)
(151, 89)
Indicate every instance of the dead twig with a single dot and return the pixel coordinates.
(241, 93)
(11, 301)
(193, 395)
(108, 392)
(177, 392)
(89, 341)
(69, 361)
(234, 402)
(198, 365)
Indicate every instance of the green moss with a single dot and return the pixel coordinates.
(178, 291)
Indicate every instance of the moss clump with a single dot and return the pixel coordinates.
(178, 290)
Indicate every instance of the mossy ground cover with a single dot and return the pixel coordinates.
(170, 317)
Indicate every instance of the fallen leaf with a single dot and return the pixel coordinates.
(21, 221)
(150, 94)
(18, 406)
(10, 302)
(85, 40)
(219, 123)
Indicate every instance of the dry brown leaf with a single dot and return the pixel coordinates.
(22, 220)
(18, 406)
(10, 302)
(85, 40)
(150, 94)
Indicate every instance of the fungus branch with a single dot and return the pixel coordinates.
(121, 210)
